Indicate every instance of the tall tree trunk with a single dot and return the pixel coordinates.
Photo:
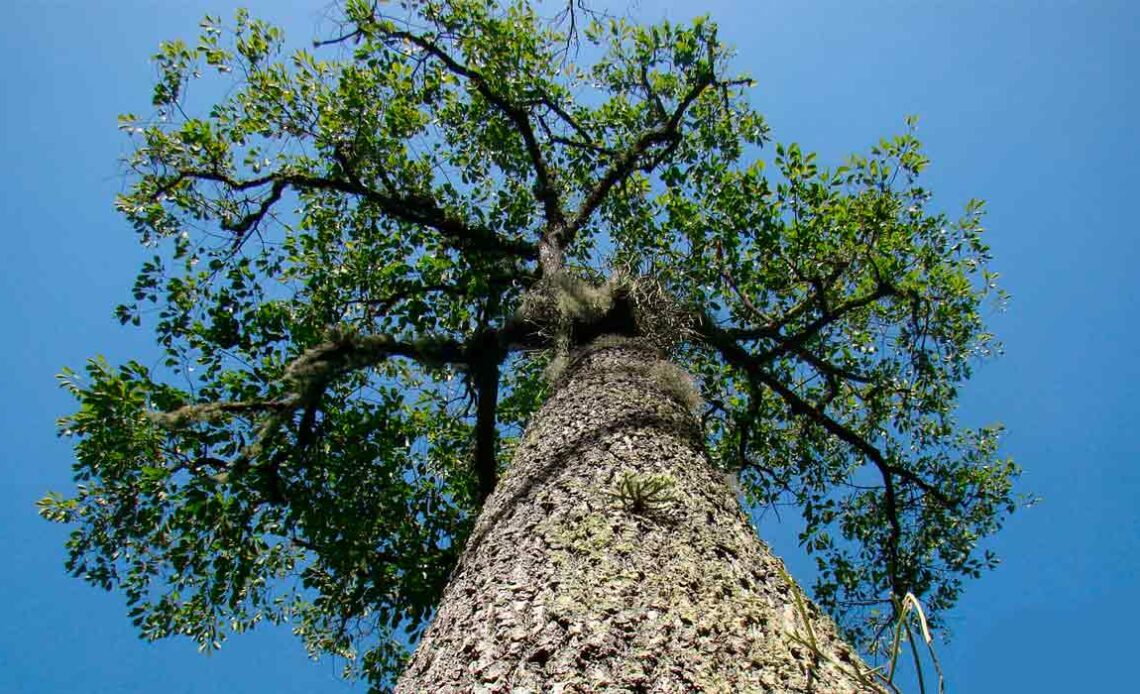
(613, 557)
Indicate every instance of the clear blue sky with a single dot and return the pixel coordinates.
(1032, 105)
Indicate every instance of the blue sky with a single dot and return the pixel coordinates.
(1030, 105)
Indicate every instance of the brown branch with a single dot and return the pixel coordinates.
(312, 371)
(771, 327)
(384, 305)
(791, 343)
(827, 368)
(578, 144)
(486, 357)
(546, 190)
(773, 331)
(568, 13)
(627, 162)
(801, 407)
(752, 365)
(187, 415)
(309, 374)
(251, 220)
(416, 209)
(550, 103)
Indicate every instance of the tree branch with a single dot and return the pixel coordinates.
(773, 328)
(546, 190)
(802, 408)
(737, 356)
(752, 365)
(826, 318)
(550, 103)
(208, 411)
(311, 372)
(486, 355)
(627, 162)
(251, 220)
(414, 209)
(773, 331)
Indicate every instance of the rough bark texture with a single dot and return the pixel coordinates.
(567, 585)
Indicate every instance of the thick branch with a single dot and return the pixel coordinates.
(486, 356)
(310, 373)
(209, 411)
(415, 209)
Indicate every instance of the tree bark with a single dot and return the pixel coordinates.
(570, 584)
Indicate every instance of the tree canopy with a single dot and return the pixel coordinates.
(344, 240)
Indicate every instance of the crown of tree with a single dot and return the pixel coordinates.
(367, 253)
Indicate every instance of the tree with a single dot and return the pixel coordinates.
(371, 271)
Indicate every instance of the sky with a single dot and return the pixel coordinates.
(1030, 105)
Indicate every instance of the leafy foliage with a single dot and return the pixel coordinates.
(343, 243)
